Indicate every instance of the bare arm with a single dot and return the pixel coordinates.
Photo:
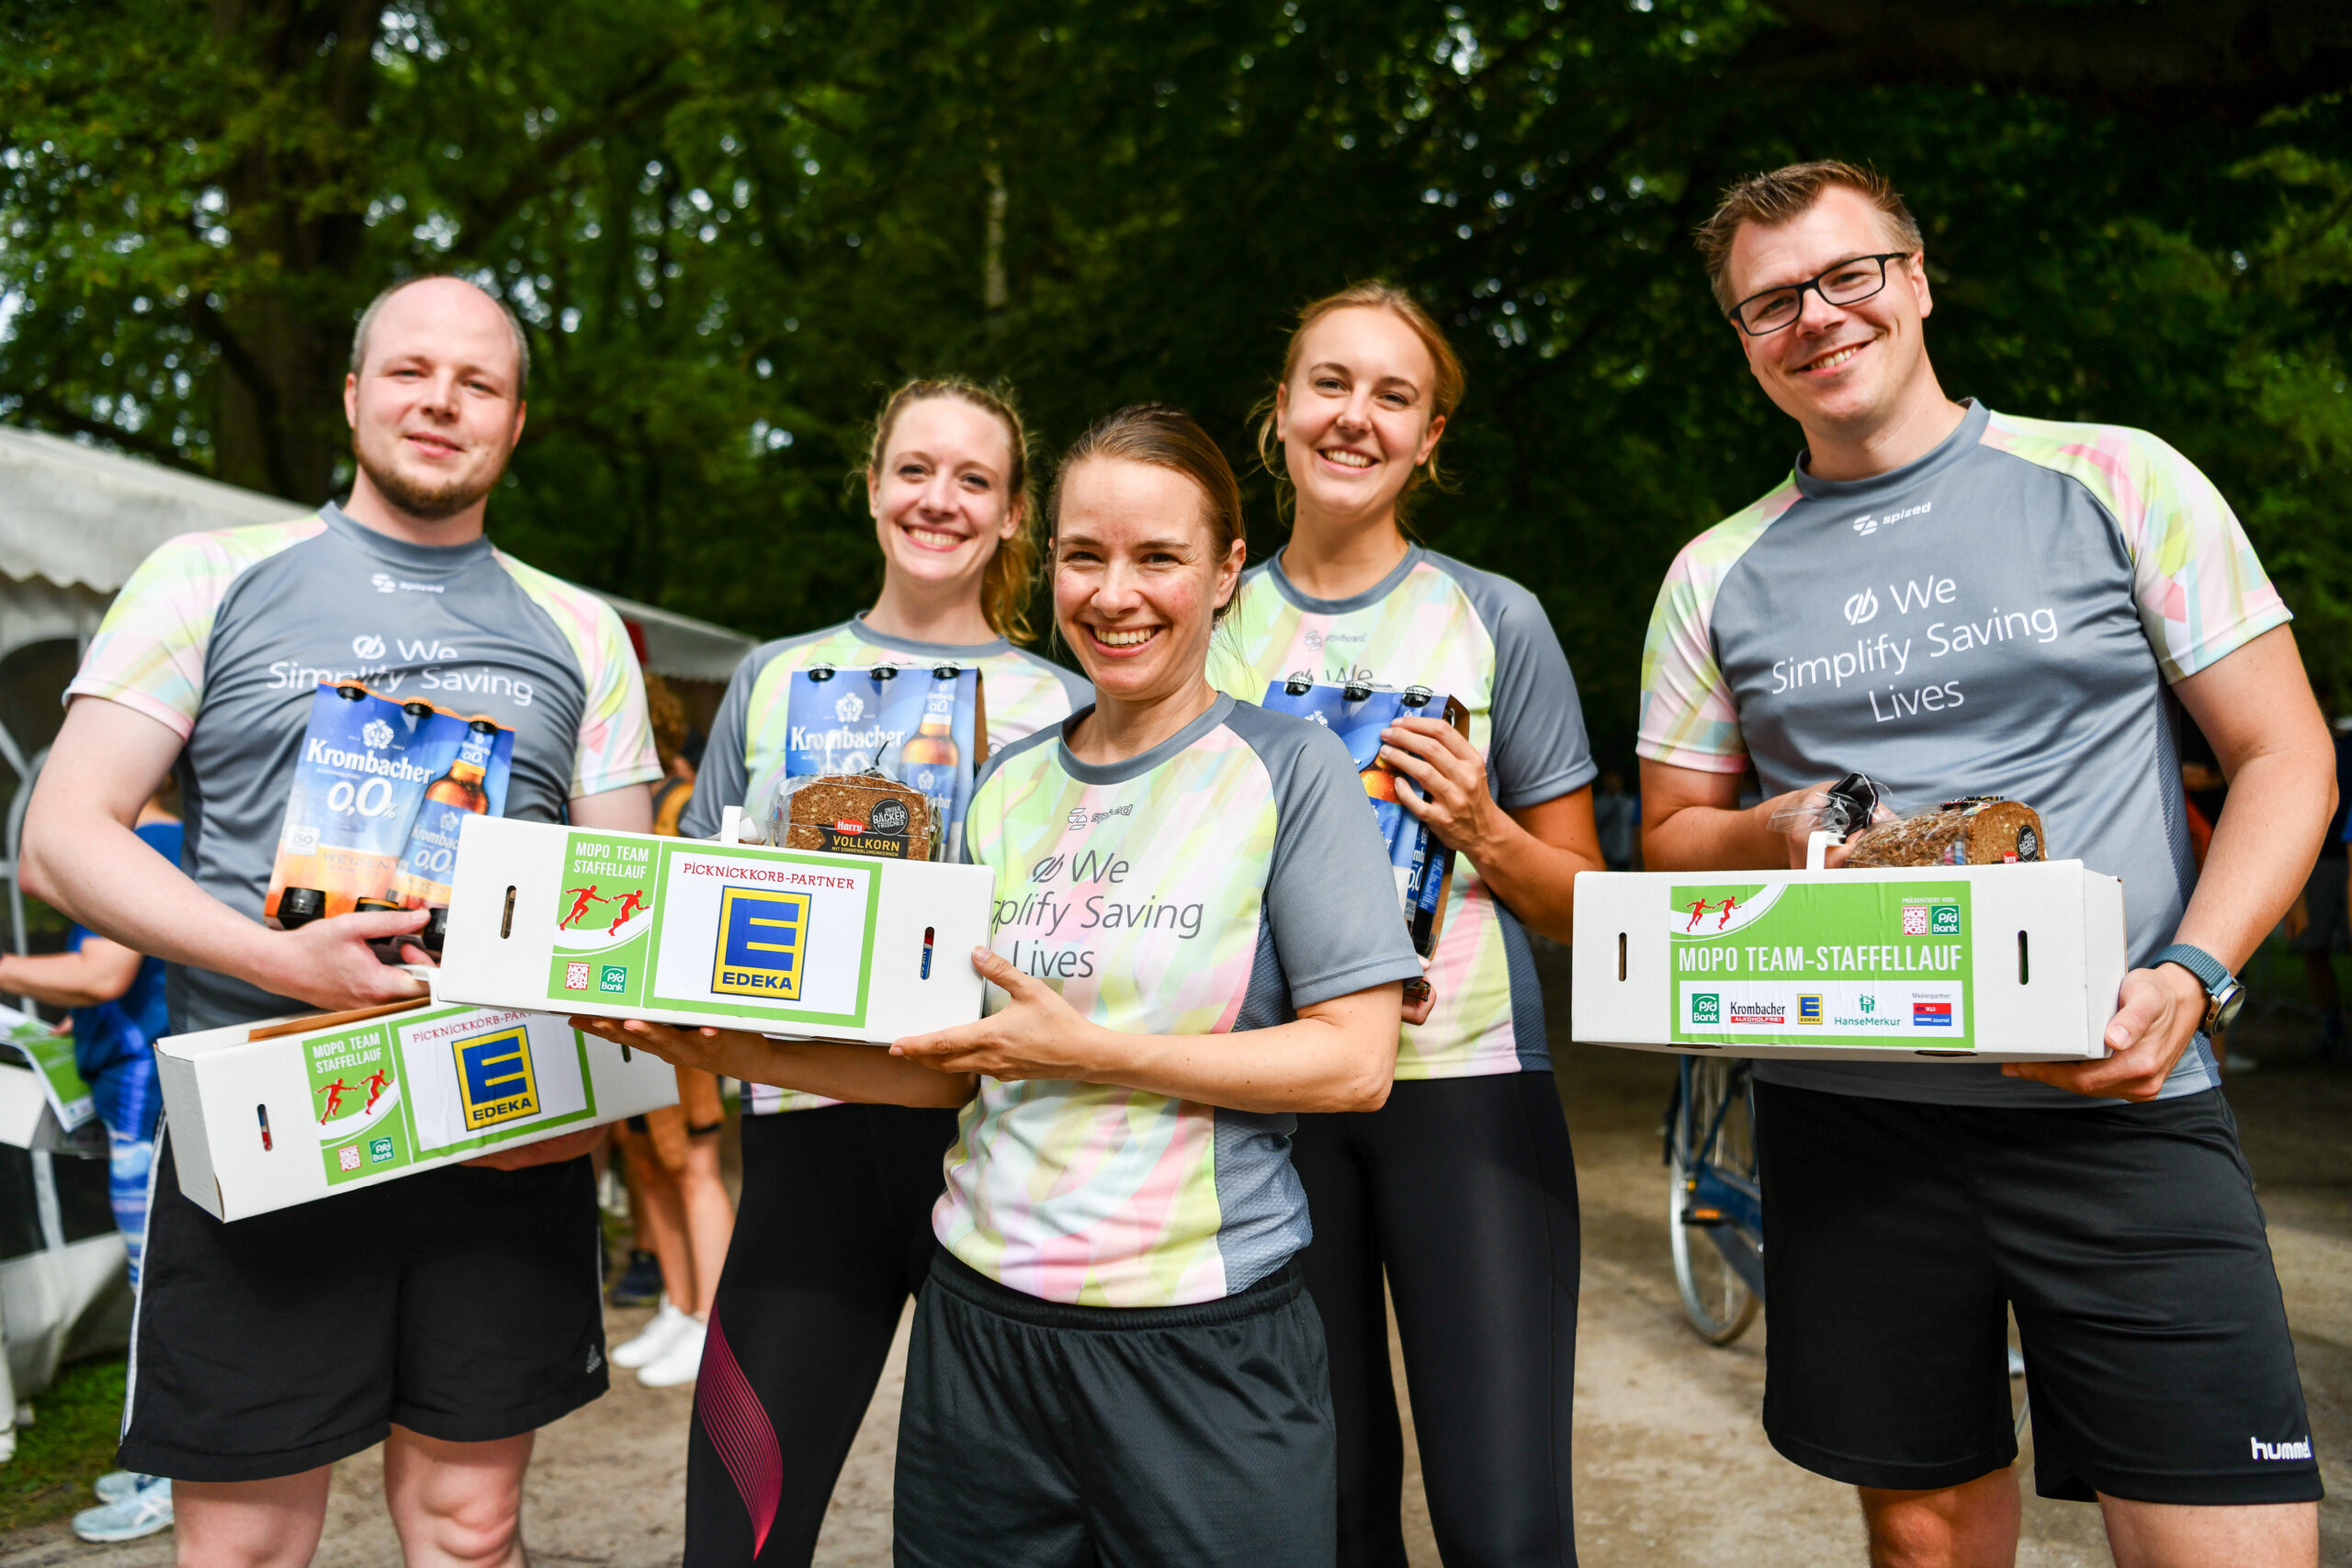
(99, 971)
(864, 1073)
(2255, 706)
(629, 809)
(1341, 1054)
(1529, 854)
(81, 855)
(1692, 820)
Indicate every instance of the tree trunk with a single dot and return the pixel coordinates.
(283, 344)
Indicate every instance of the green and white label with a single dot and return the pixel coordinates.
(770, 934)
(356, 1101)
(51, 1056)
(444, 1081)
(1845, 963)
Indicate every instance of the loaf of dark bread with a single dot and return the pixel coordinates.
(1983, 829)
(863, 814)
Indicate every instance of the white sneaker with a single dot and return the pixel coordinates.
(116, 1484)
(655, 1338)
(679, 1363)
(144, 1513)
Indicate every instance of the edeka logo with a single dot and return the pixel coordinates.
(1706, 1006)
(494, 1077)
(1809, 1008)
(762, 932)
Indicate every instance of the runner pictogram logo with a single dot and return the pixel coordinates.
(581, 899)
(629, 905)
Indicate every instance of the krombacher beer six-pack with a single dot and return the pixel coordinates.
(380, 789)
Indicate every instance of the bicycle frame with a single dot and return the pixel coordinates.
(1725, 1202)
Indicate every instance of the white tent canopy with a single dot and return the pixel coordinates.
(75, 520)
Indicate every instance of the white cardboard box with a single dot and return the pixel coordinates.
(738, 936)
(270, 1114)
(26, 1119)
(1992, 963)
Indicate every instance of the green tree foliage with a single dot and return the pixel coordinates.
(731, 227)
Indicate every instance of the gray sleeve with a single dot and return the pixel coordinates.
(1075, 686)
(1330, 895)
(721, 780)
(1537, 749)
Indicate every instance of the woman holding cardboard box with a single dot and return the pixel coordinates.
(1461, 1188)
(834, 1232)
(1113, 1357)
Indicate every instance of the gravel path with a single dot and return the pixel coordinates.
(1672, 1467)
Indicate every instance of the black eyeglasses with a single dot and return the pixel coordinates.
(1848, 283)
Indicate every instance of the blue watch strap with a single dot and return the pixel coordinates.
(2211, 972)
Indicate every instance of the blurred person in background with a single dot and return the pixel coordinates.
(115, 1001)
(684, 1214)
(2320, 925)
(1617, 821)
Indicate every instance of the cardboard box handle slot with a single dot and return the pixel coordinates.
(2022, 971)
(506, 920)
(1621, 955)
(928, 932)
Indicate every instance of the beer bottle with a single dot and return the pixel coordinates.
(431, 853)
(297, 907)
(927, 761)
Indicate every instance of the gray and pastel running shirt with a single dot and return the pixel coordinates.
(1023, 692)
(1485, 641)
(2000, 617)
(1214, 884)
(224, 636)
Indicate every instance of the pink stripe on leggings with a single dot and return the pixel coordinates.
(738, 1428)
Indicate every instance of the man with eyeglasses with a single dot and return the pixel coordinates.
(1960, 602)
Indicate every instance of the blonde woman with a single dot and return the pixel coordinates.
(1460, 1191)
(834, 1232)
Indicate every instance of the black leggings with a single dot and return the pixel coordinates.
(1465, 1190)
(832, 1235)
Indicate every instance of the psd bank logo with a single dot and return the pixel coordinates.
(495, 1083)
(763, 933)
(1706, 1006)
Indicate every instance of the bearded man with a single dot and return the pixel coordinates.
(451, 1314)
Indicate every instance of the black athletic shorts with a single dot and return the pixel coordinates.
(1062, 1436)
(2126, 1238)
(463, 1303)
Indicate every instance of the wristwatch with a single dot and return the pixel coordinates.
(2223, 991)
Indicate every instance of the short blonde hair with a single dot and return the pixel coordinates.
(1787, 194)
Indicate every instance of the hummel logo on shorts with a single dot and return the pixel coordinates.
(2282, 1451)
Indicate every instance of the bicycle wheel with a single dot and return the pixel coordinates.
(1712, 1155)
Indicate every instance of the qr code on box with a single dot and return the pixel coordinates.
(1915, 921)
(575, 977)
